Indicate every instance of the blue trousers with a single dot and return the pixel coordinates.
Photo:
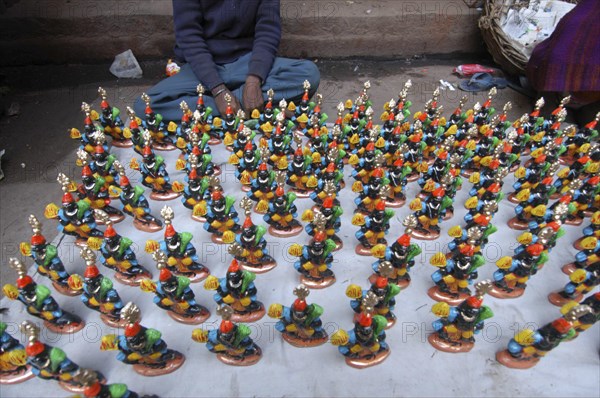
(286, 78)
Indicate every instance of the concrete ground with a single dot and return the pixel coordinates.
(49, 98)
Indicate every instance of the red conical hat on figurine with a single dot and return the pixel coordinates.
(404, 240)
(381, 282)
(104, 104)
(279, 191)
(299, 305)
(67, 198)
(38, 239)
(24, 281)
(217, 195)
(164, 274)
(148, 110)
(562, 325)
(380, 205)
(248, 223)
(320, 236)
(132, 329)
(92, 390)
(124, 181)
(365, 319)
(328, 202)
(234, 266)
(474, 302)
(86, 171)
(226, 326)
(110, 232)
(170, 231)
(34, 348)
(91, 271)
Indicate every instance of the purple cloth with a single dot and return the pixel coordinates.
(218, 32)
(569, 60)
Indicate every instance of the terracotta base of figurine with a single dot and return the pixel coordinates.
(166, 196)
(517, 224)
(558, 299)
(250, 316)
(360, 363)
(229, 148)
(443, 345)
(217, 171)
(425, 234)
(589, 213)
(497, 292)
(321, 283)
(509, 361)
(301, 194)
(512, 198)
(514, 168)
(362, 250)
(163, 146)
(566, 161)
(390, 322)
(258, 268)
(18, 376)
(216, 239)
(413, 177)
(190, 320)
(452, 299)
(568, 268)
(467, 172)
(241, 361)
(146, 226)
(286, 234)
(122, 143)
(555, 195)
(78, 388)
(67, 329)
(246, 188)
(214, 141)
(299, 342)
(132, 280)
(112, 321)
(169, 367)
(199, 218)
(575, 221)
(194, 277)
(449, 214)
(395, 203)
(577, 243)
(338, 245)
(66, 290)
(81, 242)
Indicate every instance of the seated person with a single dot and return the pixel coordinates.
(568, 62)
(230, 47)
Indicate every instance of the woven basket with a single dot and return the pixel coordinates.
(505, 53)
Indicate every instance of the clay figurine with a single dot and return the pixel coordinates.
(231, 342)
(365, 345)
(384, 291)
(136, 205)
(13, 359)
(155, 175)
(373, 227)
(173, 294)
(528, 346)
(93, 388)
(38, 302)
(282, 212)
(110, 120)
(330, 212)
(51, 363)
(221, 216)
(401, 255)
(250, 246)
(237, 290)
(181, 253)
(75, 217)
(581, 282)
(455, 330)
(315, 258)
(142, 347)
(45, 256)
(98, 291)
(300, 324)
(161, 136)
(118, 255)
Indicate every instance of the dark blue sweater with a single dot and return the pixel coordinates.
(210, 32)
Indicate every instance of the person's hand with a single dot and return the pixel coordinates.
(252, 97)
(219, 94)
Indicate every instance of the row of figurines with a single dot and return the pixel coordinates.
(301, 326)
